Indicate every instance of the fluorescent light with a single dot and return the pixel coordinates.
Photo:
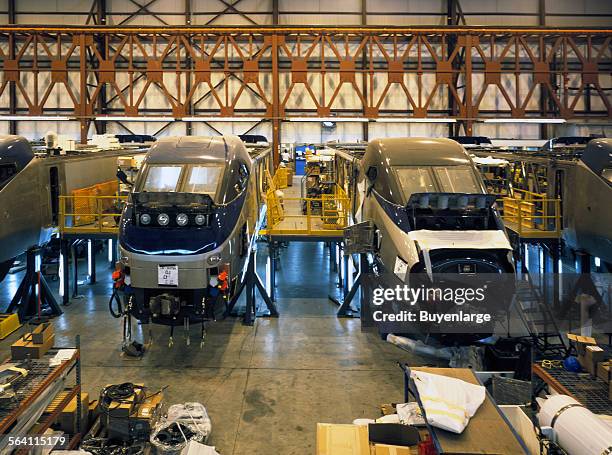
(524, 120)
(222, 119)
(110, 250)
(60, 273)
(144, 118)
(90, 258)
(415, 120)
(328, 119)
(35, 117)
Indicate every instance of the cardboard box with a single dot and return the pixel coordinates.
(42, 333)
(68, 416)
(336, 439)
(593, 355)
(150, 407)
(94, 411)
(581, 342)
(603, 370)
(138, 423)
(24, 347)
(384, 449)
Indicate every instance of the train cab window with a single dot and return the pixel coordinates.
(162, 178)
(203, 179)
(415, 180)
(7, 171)
(457, 179)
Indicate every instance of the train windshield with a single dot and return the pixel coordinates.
(162, 178)
(427, 179)
(186, 179)
(457, 179)
(202, 179)
(415, 180)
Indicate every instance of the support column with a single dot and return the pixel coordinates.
(276, 123)
(75, 278)
(12, 85)
(189, 63)
(101, 45)
(555, 254)
(65, 250)
(275, 12)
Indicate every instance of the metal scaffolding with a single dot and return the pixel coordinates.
(277, 73)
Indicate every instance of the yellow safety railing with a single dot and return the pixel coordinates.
(326, 215)
(81, 214)
(531, 214)
(281, 178)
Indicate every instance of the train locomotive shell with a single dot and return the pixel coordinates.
(214, 234)
(587, 214)
(442, 231)
(30, 185)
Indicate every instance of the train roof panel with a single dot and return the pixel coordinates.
(418, 151)
(196, 149)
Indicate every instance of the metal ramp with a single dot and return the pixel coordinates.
(538, 319)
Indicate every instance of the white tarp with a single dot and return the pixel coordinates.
(449, 403)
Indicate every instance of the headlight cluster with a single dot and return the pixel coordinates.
(181, 219)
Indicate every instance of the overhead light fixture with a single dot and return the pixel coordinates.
(328, 119)
(144, 118)
(222, 119)
(524, 120)
(35, 117)
(415, 120)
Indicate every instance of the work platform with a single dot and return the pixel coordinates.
(531, 215)
(293, 216)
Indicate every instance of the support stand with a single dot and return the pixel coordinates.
(250, 284)
(345, 309)
(30, 301)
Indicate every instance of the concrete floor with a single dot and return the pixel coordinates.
(266, 386)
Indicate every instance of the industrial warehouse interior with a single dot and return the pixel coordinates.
(362, 227)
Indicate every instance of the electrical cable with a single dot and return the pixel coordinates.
(115, 296)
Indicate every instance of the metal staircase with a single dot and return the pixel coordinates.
(539, 320)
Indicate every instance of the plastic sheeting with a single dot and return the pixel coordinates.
(449, 403)
(578, 430)
(183, 423)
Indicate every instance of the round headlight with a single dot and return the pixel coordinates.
(213, 259)
(163, 219)
(181, 219)
(145, 218)
(200, 219)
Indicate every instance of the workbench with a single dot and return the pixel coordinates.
(488, 431)
(592, 392)
(34, 392)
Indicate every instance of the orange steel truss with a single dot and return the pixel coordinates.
(278, 73)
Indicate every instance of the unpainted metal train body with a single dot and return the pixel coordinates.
(191, 218)
(587, 201)
(429, 207)
(30, 185)
(581, 177)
